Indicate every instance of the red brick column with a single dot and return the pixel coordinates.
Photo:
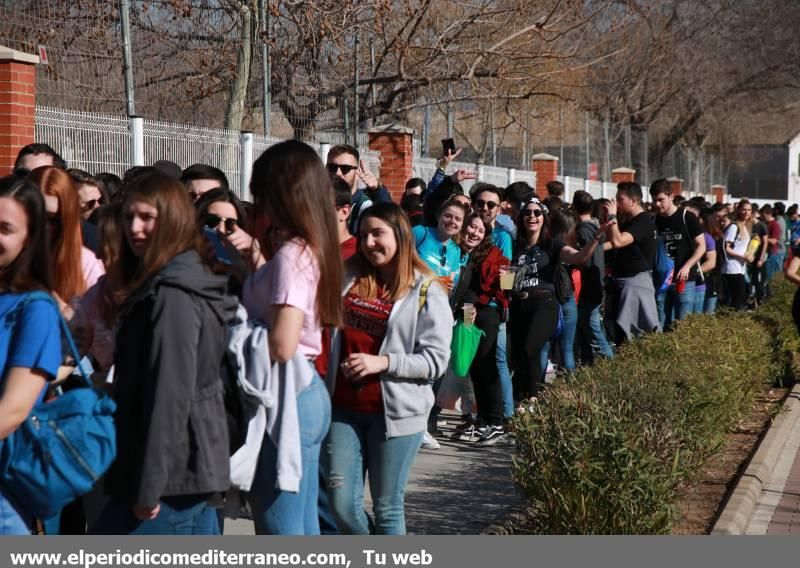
(677, 185)
(546, 168)
(718, 191)
(396, 146)
(623, 174)
(17, 104)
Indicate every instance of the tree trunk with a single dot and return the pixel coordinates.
(234, 113)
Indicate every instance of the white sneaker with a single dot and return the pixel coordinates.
(429, 442)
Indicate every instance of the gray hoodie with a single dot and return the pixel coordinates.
(417, 343)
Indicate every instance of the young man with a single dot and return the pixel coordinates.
(344, 162)
(486, 201)
(35, 156)
(202, 178)
(555, 189)
(775, 234)
(590, 326)
(342, 196)
(635, 246)
(685, 243)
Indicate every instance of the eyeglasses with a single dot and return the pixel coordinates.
(92, 203)
(333, 168)
(213, 221)
(480, 204)
(535, 212)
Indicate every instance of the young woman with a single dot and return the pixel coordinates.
(74, 267)
(172, 446)
(708, 294)
(294, 294)
(484, 261)
(394, 343)
(562, 225)
(437, 246)
(737, 237)
(220, 210)
(792, 276)
(32, 335)
(534, 311)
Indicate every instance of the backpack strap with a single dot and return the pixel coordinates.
(423, 293)
(44, 296)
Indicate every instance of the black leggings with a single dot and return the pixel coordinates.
(483, 371)
(737, 290)
(796, 310)
(533, 321)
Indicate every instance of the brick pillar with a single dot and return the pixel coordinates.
(718, 191)
(623, 174)
(17, 104)
(396, 146)
(676, 184)
(546, 168)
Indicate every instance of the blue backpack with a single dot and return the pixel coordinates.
(663, 267)
(64, 446)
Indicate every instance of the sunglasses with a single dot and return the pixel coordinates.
(92, 203)
(535, 212)
(212, 221)
(333, 168)
(480, 204)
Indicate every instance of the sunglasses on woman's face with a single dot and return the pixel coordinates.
(92, 203)
(333, 168)
(534, 212)
(213, 222)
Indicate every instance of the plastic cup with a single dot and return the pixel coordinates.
(507, 278)
(469, 313)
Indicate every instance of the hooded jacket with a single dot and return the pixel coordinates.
(172, 434)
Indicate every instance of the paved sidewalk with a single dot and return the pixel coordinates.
(778, 508)
(457, 489)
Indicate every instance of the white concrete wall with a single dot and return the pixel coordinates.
(794, 170)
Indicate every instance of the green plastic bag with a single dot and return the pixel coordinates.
(463, 347)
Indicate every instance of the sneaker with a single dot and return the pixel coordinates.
(491, 436)
(429, 442)
(441, 422)
(468, 434)
(465, 426)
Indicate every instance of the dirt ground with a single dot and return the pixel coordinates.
(702, 502)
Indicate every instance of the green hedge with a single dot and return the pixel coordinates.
(606, 452)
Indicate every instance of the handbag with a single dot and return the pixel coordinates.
(63, 447)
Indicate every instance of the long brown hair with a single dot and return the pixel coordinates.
(66, 246)
(175, 232)
(31, 269)
(480, 252)
(745, 226)
(291, 187)
(407, 262)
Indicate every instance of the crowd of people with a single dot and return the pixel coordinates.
(356, 297)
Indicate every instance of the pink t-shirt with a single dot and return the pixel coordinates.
(290, 278)
(92, 266)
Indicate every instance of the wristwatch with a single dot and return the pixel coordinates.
(612, 217)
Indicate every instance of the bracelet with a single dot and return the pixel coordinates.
(612, 217)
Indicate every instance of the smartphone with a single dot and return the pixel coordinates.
(220, 250)
(448, 146)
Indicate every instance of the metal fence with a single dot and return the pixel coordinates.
(94, 142)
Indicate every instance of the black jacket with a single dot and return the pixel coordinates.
(172, 435)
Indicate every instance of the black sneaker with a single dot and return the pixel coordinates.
(491, 436)
(468, 434)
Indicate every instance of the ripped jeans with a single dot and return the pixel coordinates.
(356, 444)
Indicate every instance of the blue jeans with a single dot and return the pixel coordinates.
(506, 385)
(282, 512)
(566, 341)
(774, 265)
(13, 521)
(673, 306)
(591, 328)
(183, 515)
(699, 303)
(357, 444)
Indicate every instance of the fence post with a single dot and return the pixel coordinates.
(136, 128)
(512, 176)
(245, 164)
(324, 148)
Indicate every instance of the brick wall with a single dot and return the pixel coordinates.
(17, 104)
(396, 147)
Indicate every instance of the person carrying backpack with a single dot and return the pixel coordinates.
(737, 238)
(635, 244)
(31, 339)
